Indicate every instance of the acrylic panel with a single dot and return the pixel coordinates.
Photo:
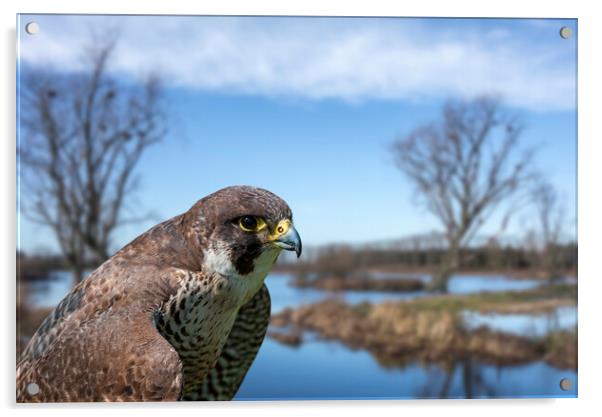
(281, 208)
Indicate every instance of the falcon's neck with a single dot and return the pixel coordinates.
(196, 321)
(198, 318)
(241, 287)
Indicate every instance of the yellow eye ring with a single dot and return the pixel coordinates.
(251, 223)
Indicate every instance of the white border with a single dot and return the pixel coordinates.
(590, 190)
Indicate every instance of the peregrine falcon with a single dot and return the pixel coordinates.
(177, 314)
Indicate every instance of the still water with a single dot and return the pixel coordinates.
(329, 370)
(284, 295)
(530, 325)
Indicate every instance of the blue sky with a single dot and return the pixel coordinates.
(308, 107)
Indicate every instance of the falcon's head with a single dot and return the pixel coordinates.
(243, 229)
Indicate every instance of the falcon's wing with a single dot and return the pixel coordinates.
(114, 358)
(240, 350)
(53, 324)
(93, 348)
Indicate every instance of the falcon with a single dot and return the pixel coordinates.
(177, 314)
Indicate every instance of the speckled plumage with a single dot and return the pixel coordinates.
(177, 314)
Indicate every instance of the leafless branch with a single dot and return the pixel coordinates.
(82, 138)
(551, 217)
(464, 166)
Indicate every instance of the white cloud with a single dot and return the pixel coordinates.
(351, 59)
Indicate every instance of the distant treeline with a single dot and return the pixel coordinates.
(342, 260)
(38, 267)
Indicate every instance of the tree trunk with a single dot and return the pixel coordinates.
(549, 263)
(450, 264)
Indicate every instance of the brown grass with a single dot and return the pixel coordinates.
(430, 329)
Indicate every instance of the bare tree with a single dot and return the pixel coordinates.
(463, 166)
(550, 214)
(82, 136)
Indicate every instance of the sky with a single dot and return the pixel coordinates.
(308, 107)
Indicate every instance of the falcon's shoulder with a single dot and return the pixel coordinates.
(239, 352)
(118, 358)
(69, 312)
(100, 343)
(118, 283)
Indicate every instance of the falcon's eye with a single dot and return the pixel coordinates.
(251, 223)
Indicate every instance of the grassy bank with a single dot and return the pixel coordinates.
(538, 300)
(431, 329)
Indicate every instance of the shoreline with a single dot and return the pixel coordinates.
(364, 284)
(431, 329)
(517, 274)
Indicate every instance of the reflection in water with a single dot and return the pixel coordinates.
(329, 370)
(467, 375)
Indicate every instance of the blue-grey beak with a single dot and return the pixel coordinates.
(290, 241)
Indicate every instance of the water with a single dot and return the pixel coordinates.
(469, 284)
(563, 318)
(48, 293)
(328, 370)
(284, 295)
(322, 369)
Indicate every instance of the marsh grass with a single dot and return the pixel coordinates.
(431, 329)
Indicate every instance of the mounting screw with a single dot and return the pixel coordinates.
(33, 388)
(32, 28)
(565, 32)
(565, 384)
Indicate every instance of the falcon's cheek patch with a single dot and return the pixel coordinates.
(245, 262)
(243, 258)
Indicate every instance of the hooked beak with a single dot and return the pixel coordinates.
(290, 241)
